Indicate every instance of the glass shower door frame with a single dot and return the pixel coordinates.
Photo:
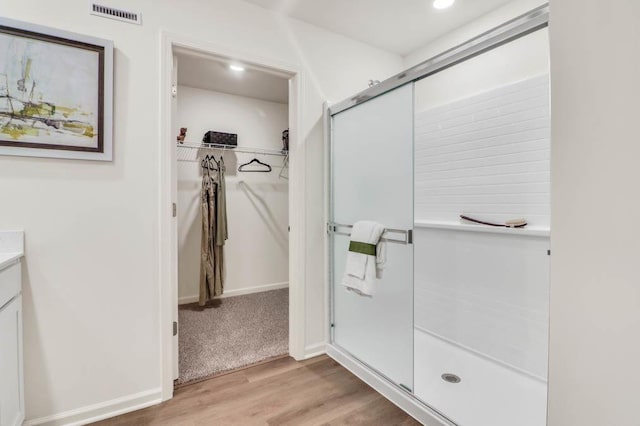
(527, 23)
(408, 401)
(376, 159)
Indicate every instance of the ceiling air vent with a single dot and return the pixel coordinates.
(118, 14)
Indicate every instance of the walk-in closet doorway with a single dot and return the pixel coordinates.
(264, 198)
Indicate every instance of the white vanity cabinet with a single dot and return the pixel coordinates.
(11, 359)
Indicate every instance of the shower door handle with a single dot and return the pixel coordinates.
(334, 228)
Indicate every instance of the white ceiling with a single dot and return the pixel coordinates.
(213, 74)
(398, 26)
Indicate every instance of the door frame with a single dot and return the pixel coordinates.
(167, 244)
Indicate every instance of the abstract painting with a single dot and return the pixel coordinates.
(54, 93)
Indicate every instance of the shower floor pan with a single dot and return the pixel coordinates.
(487, 394)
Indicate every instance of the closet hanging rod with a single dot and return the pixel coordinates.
(332, 228)
(244, 150)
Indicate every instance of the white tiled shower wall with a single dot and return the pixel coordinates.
(486, 156)
(488, 293)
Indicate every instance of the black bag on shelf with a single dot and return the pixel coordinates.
(220, 138)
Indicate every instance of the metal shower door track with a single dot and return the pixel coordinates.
(516, 28)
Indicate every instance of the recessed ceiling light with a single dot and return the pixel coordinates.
(442, 4)
(236, 67)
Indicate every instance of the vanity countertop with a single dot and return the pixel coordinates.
(11, 247)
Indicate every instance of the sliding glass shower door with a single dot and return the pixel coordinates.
(372, 179)
(482, 150)
(461, 315)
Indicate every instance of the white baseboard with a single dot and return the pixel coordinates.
(239, 292)
(101, 411)
(315, 350)
(393, 393)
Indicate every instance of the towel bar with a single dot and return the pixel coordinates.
(333, 228)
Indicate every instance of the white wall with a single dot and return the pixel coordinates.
(594, 375)
(485, 23)
(91, 292)
(257, 252)
(522, 59)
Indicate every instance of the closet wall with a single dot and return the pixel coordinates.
(256, 253)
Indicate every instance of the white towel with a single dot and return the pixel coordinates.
(362, 270)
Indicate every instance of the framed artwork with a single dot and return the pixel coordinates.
(56, 93)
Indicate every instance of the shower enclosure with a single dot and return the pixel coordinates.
(457, 330)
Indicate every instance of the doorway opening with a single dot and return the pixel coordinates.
(233, 124)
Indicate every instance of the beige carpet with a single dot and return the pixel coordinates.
(232, 332)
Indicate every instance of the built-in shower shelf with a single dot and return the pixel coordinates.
(467, 227)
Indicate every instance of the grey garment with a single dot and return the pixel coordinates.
(222, 231)
(210, 256)
(214, 234)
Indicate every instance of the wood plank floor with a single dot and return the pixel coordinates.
(283, 392)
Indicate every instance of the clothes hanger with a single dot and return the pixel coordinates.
(217, 163)
(206, 163)
(255, 160)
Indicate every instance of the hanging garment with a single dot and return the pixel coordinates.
(222, 232)
(207, 259)
(221, 206)
(365, 259)
(214, 234)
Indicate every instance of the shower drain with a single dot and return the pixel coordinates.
(451, 378)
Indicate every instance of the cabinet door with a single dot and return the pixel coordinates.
(11, 393)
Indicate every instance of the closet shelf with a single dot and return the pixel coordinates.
(242, 149)
(466, 227)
